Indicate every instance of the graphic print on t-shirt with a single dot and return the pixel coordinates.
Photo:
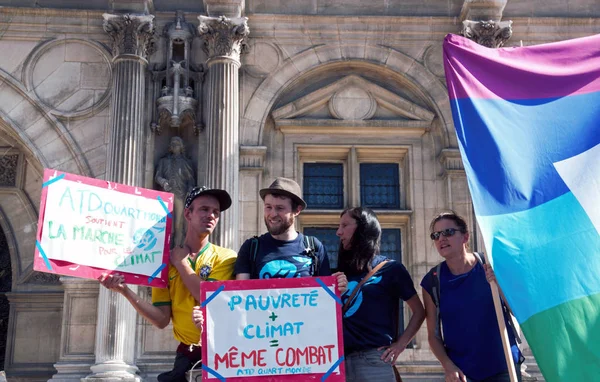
(284, 268)
(354, 305)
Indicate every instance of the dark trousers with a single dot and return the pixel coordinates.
(185, 359)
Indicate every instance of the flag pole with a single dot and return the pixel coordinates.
(503, 332)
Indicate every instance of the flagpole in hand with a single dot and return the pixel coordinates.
(502, 326)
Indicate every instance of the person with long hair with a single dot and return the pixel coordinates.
(371, 302)
(468, 345)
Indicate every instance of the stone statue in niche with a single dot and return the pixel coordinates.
(175, 174)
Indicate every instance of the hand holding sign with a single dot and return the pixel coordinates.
(260, 329)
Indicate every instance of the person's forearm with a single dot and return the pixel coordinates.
(438, 350)
(412, 328)
(153, 314)
(189, 278)
(415, 322)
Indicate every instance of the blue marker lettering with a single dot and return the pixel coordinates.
(285, 299)
(250, 301)
(235, 300)
(68, 195)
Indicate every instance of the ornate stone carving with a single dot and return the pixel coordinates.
(175, 173)
(43, 278)
(178, 101)
(8, 170)
(223, 36)
(491, 34)
(131, 34)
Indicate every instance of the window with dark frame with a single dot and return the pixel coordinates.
(379, 185)
(324, 185)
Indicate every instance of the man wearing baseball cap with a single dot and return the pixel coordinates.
(283, 252)
(196, 260)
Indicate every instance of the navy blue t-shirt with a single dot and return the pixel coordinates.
(469, 324)
(281, 259)
(369, 321)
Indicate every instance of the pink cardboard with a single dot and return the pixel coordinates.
(43, 263)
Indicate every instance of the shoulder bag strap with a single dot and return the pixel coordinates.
(361, 283)
(436, 282)
(253, 251)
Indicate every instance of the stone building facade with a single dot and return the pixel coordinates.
(348, 97)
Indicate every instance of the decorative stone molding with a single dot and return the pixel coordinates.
(252, 157)
(491, 34)
(223, 36)
(262, 59)
(451, 161)
(354, 86)
(8, 170)
(131, 34)
(482, 10)
(43, 278)
(229, 8)
(353, 104)
(134, 6)
(77, 80)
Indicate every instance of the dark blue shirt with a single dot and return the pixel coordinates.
(281, 259)
(469, 324)
(370, 322)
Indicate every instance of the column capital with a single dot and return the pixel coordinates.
(131, 34)
(491, 34)
(223, 36)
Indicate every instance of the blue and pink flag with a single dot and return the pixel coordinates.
(528, 126)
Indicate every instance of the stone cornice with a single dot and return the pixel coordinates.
(414, 129)
(223, 36)
(328, 217)
(34, 24)
(131, 34)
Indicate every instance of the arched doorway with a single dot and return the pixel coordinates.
(5, 286)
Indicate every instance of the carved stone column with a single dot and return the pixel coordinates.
(132, 36)
(224, 38)
(492, 34)
(481, 22)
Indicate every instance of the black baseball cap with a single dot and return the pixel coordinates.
(221, 195)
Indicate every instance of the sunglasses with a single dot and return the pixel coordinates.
(445, 233)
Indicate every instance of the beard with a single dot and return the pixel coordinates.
(281, 227)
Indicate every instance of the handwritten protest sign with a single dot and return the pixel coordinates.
(90, 226)
(273, 329)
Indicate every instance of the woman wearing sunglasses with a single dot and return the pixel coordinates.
(468, 345)
(371, 302)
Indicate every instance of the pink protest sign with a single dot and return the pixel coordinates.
(272, 330)
(90, 226)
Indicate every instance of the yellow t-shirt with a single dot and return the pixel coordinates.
(212, 263)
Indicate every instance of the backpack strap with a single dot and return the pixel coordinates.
(435, 282)
(361, 283)
(309, 245)
(253, 252)
(505, 310)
